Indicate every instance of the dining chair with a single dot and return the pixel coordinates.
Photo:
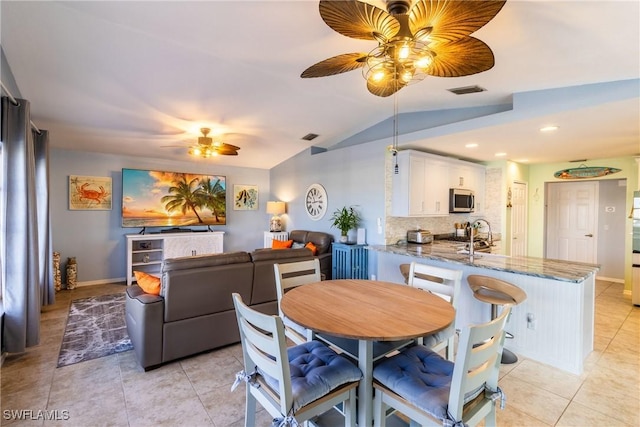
(431, 390)
(293, 384)
(288, 276)
(445, 283)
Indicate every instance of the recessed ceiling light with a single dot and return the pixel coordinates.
(548, 128)
(500, 154)
(471, 145)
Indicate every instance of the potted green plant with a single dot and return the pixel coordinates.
(344, 220)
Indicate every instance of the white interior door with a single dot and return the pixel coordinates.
(519, 219)
(572, 221)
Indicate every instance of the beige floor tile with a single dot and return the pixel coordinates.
(169, 401)
(224, 406)
(625, 341)
(29, 398)
(101, 405)
(612, 394)
(211, 370)
(548, 378)
(511, 417)
(578, 415)
(138, 381)
(92, 373)
(262, 419)
(533, 401)
(600, 343)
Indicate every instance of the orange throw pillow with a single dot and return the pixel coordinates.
(313, 247)
(279, 244)
(150, 284)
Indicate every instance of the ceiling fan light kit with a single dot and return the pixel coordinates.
(207, 147)
(428, 37)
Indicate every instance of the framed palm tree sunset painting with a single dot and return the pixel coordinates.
(152, 198)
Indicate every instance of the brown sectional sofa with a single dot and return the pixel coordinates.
(194, 311)
(323, 244)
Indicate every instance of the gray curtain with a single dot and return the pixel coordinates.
(28, 273)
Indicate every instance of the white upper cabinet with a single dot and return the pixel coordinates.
(462, 176)
(421, 186)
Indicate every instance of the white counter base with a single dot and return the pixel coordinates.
(562, 336)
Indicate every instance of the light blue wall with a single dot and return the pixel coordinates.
(352, 176)
(96, 238)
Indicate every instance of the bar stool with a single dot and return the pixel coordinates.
(404, 270)
(497, 292)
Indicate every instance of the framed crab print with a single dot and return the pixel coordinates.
(89, 193)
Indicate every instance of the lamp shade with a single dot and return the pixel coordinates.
(275, 208)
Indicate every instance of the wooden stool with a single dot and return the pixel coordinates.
(405, 270)
(497, 292)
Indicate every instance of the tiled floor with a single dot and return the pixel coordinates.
(114, 391)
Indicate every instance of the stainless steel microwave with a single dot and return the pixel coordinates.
(461, 200)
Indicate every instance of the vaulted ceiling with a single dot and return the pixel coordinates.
(141, 78)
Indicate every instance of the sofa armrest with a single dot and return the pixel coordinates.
(326, 265)
(144, 319)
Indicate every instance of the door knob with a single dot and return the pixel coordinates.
(588, 235)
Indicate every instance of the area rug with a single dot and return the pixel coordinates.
(95, 328)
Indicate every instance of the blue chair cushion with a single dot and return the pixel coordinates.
(422, 377)
(315, 371)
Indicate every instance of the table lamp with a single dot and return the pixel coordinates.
(275, 209)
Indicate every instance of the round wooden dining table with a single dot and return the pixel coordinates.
(367, 311)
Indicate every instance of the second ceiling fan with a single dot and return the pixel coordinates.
(430, 37)
(207, 147)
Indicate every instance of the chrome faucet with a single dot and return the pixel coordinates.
(489, 234)
(475, 225)
(471, 250)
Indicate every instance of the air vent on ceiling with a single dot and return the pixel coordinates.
(310, 136)
(578, 161)
(466, 89)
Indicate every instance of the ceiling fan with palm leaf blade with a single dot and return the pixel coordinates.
(430, 37)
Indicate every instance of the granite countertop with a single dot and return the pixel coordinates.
(566, 271)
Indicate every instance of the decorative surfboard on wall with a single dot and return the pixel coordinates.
(585, 172)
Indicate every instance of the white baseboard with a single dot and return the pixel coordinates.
(610, 279)
(101, 282)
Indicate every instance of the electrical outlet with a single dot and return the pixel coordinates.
(531, 321)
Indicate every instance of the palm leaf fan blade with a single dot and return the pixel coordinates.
(358, 20)
(450, 20)
(385, 87)
(461, 58)
(336, 65)
(227, 150)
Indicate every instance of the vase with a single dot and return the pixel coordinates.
(72, 273)
(344, 239)
(57, 280)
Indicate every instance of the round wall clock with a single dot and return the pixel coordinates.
(315, 201)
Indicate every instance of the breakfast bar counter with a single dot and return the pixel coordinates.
(566, 271)
(554, 325)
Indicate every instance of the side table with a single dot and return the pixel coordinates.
(349, 261)
(276, 235)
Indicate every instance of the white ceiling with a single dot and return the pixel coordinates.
(133, 77)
